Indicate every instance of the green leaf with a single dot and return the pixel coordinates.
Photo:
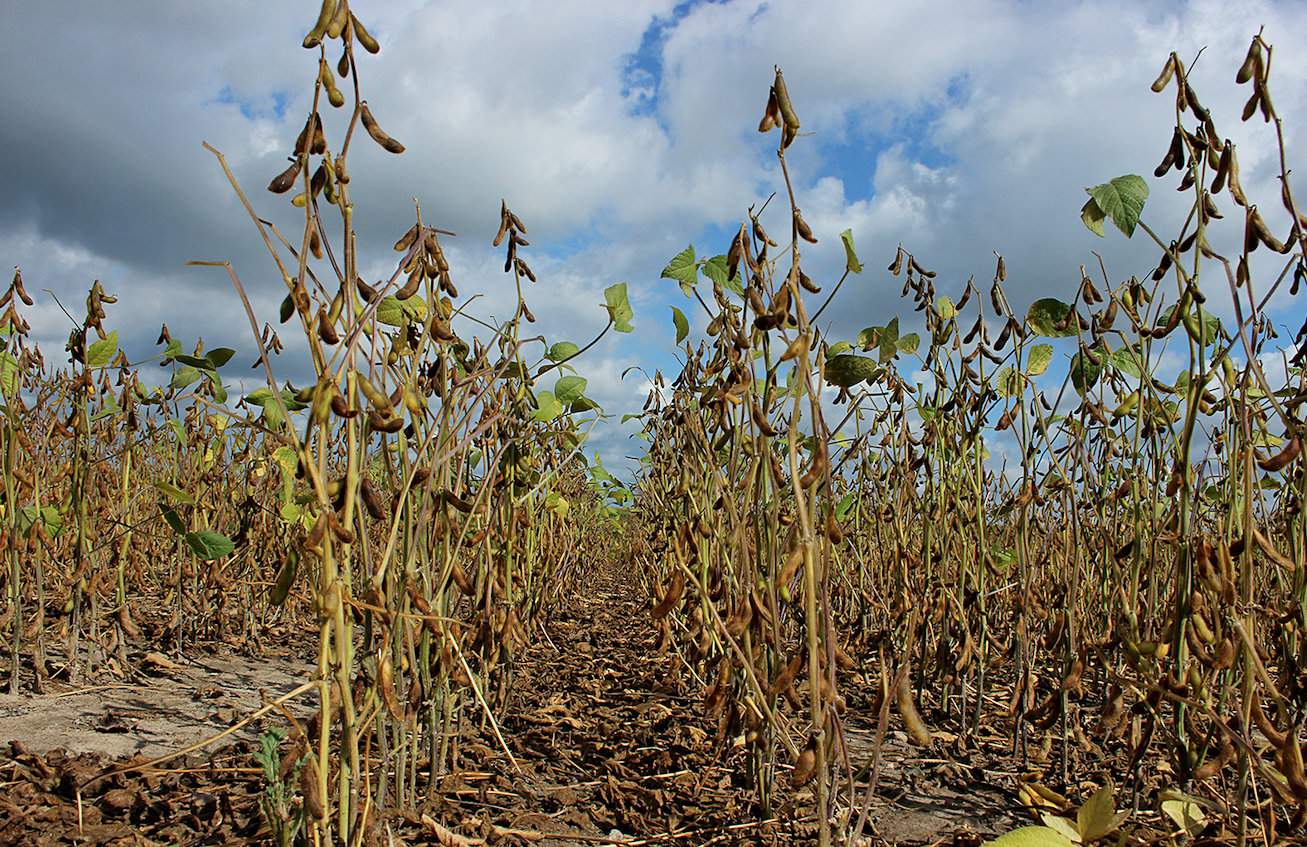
(583, 404)
(199, 362)
(547, 406)
(171, 517)
(682, 325)
(1126, 360)
(1098, 816)
(908, 343)
(889, 339)
(1032, 836)
(49, 516)
(569, 388)
(208, 545)
(1038, 358)
(946, 309)
(177, 429)
(1185, 811)
(683, 269)
(619, 307)
(185, 375)
(1046, 314)
(99, 353)
(1086, 366)
(1092, 217)
(395, 312)
(597, 471)
(556, 503)
(716, 269)
(848, 370)
(842, 508)
(174, 493)
(1009, 382)
(1063, 825)
(839, 348)
(562, 351)
(220, 356)
(219, 392)
(1122, 200)
(8, 373)
(850, 255)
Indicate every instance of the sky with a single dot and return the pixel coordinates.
(619, 133)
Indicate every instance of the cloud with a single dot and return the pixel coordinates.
(619, 136)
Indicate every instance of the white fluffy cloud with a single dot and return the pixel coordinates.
(619, 132)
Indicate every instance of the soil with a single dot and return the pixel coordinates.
(608, 743)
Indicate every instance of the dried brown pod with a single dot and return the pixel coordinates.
(310, 790)
(675, 588)
(285, 180)
(1279, 461)
(1252, 64)
(378, 135)
(408, 238)
(916, 727)
(340, 407)
(805, 232)
(805, 766)
(411, 286)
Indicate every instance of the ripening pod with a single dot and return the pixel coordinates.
(323, 393)
(413, 401)
(375, 396)
(788, 117)
(797, 348)
(325, 16)
(378, 134)
(364, 37)
(328, 79)
(1168, 71)
(771, 116)
(285, 578)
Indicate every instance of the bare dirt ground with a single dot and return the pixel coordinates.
(171, 705)
(607, 744)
